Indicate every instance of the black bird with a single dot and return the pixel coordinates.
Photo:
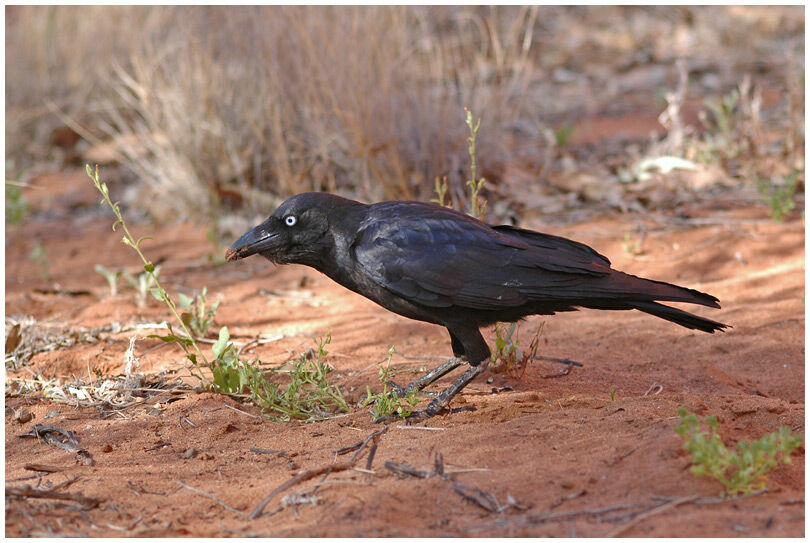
(437, 265)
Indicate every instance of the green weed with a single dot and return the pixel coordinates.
(441, 192)
(506, 350)
(563, 134)
(16, 204)
(198, 316)
(39, 255)
(386, 402)
(506, 356)
(779, 196)
(308, 395)
(723, 119)
(740, 471)
(478, 205)
(111, 276)
(731, 124)
(216, 256)
(187, 343)
(143, 284)
(633, 245)
(612, 394)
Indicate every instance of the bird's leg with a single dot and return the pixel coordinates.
(428, 378)
(445, 396)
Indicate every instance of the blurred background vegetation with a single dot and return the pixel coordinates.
(200, 109)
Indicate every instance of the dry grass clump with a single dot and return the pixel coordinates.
(208, 102)
(55, 59)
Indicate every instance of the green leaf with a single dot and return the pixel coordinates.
(148, 267)
(171, 338)
(219, 347)
(185, 301)
(156, 293)
(187, 319)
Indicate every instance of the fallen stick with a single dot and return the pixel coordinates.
(647, 514)
(211, 496)
(309, 474)
(477, 496)
(28, 492)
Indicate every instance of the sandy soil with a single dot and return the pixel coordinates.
(565, 457)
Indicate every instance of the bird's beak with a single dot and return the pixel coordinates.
(254, 241)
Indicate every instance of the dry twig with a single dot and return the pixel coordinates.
(477, 496)
(309, 474)
(647, 514)
(26, 491)
(211, 496)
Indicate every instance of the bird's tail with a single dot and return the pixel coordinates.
(631, 292)
(677, 316)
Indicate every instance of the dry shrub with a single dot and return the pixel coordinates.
(54, 58)
(210, 101)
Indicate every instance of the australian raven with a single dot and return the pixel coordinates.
(433, 264)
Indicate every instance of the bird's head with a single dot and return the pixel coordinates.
(297, 232)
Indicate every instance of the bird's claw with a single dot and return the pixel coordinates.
(399, 392)
(411, 418)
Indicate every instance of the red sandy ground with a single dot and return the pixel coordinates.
(554, 445)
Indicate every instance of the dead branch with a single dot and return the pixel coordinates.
(45, 468)
(211, 496)
(62, 439)
(407, 469)
(26, 491)
(647, 514)
(323, 470)
(477, 496)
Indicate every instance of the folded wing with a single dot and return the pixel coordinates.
(438, 257)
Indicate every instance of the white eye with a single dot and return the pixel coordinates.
(290, 220)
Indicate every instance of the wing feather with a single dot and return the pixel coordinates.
(440, 258)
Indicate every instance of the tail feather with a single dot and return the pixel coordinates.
(677, 316)
(639, 287)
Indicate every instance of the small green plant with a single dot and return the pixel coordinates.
(230, 376)
(386, 402)
(723, 115)
(16, 204)
(307, 396)
(631, 245)
(187, 343)
(143, 284)
(506, 356)
(563, 134)
(740, 471)
(779, 196)
(612, 394)
(217, 250)
(39, 255)
(441, 192)
(506, 349)
(111, 276)
(729, 123)
(198, 316)
(478, 205)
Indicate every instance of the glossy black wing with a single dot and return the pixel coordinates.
(438, 257)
